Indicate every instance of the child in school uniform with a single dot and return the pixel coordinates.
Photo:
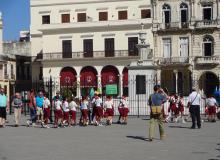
(84, 110)
(58, 112)
(46, 108)
(72, 112)
(109, 110)
(125, 110)
(65, 107)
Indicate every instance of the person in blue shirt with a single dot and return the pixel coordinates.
(39, 104)
(156, 101)
(4, 107)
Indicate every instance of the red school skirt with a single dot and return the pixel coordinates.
(46, 113)
(109, 112)
(99, 111)
(211, 110)
(84, 113)
(125, 112)
(58, 114)
(66, 116)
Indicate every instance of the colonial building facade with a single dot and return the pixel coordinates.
(87, 44)
(187, 44)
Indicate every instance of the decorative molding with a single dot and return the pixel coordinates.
(66, 37)
(144, 6)
(101, 9)
(121, 7)
(87, 36)
(81, 10)
(108, 35)
(131, 34)
(44, 12)
(65, 11)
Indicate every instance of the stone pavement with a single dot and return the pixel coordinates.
(116, 142)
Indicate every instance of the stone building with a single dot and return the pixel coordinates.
(187, 44)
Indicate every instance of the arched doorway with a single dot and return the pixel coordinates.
(125, 81)
(208, 82)
(88, 80)
(68, 81)
(110, 76)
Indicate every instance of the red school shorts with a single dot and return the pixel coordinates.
(72, 115)
(58, 114)
(46, 113)
(84, 113)
(66, 116)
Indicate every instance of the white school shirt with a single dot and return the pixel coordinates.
(46, 103)
(58, 104)
(84, 105)
(98, 102)
(195, 100)
(124, 103)
(108, 104)
(72, 106)
(211, 101)
(65, 106)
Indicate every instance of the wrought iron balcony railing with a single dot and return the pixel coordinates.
(173, 60)
(206, 23)
(94, 54)
(214, 60)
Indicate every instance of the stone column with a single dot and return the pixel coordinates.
(193, 18)
(78, 90)
(158, 76)
(176, 77)
(120, 85)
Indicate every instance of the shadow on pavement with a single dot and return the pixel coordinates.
(140, 138)
(179, 127)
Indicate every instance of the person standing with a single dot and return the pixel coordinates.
(17, 104)
(65, 107)
(39, 104)
(46, 107)
(4, 107)
(211, 104)
(32, 107)
(72, 112)
(194, 100)
(155, 101)
(109, 110)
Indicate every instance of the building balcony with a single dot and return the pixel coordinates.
(94, 54)
(173, 61)
(208, 60)
(95, 24)
(206, 24)
(172, 26)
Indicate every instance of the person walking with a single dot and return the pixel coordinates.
(212, 105)
(46, 109)
(39, 104)
(155, 101)
(17, 104)
(32, 107)
(194, 100)
(4, 107)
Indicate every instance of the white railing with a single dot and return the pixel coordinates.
(173, 60)
(208, 60)
(206, 23)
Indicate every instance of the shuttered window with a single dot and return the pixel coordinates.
(65, 18)
(145, 13)
(81, 17)
(122, 15)
(103, 16)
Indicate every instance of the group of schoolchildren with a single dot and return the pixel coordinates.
(93, 110)
(176, 109)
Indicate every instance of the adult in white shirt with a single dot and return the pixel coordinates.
(211, 104)
(194, 100)
(72, 107)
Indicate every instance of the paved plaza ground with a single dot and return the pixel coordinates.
(116, 142)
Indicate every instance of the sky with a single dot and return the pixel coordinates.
(16, 17)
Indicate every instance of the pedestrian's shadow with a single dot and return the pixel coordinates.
(12, 125)
(139, 137)
(179, 127)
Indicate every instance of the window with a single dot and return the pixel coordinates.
(208, 47)
(184, 15)
(46, 19)
(65, 18)
(167, 48)
(184, 47)
(132, 49)
(103, 16)
(12, 71)
(122, 15)
(145, 13)
(88, 47)
(67, 48)
(109, 47)
(166, 15)
(207, 12)
(81, 17)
